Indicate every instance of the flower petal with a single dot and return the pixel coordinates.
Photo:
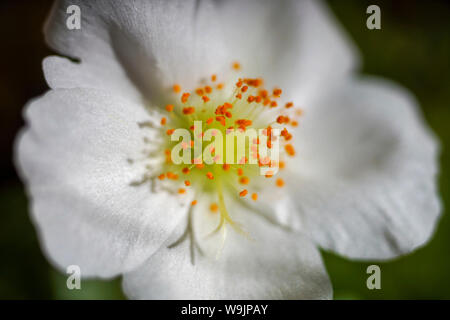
(273, 264)
(73, 157)
(365, 184)
(149, 44)
(297, 45)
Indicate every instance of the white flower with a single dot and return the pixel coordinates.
(362, 183)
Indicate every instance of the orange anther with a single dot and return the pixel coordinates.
(263, 93)
(194, 202)
(221, 119)
(220, 86)
(185, 170)
(255, 196)
(277, 92)
(279, 182)
(199, 91)
(244, 122)
(213, 78)
(172, 176)
(236, 65)
(219, 110)
(282, 119)
(282, 165)
(208, 89)
(250, 99)
(209, 175)
(269, 174)
(181, 190)
(176, 88)
(209, 121)
(289, 149)
(254, 82)
(243, 193)
(169, 107)
(244, 89)
(187, 183)
(240, 172)
(226, 166)
(244, 180)
(289, 105)
(273, 104)
(286, 134)
(188, 110)
(163, 121)
(294, 123)
(162, 176)
(213, 207)
(205, 99)
(185, 97)
(170, 131)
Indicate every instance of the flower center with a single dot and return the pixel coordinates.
(226, 137)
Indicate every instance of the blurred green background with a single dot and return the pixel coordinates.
(412, 48)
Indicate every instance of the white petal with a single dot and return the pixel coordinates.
(73, 157)
(297, 45)
(149, 44)
(273, 264)
(366, 173)
(61, 73)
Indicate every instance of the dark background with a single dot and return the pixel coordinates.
(412, 48)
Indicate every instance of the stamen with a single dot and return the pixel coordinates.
(188, 110)
(170, 131)
(280, 182)
(244, 180)
(241, 110)
(185, 170)
(289, 150)
(176, 88)
(213, 207)
(185, 97)
(289, 105)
